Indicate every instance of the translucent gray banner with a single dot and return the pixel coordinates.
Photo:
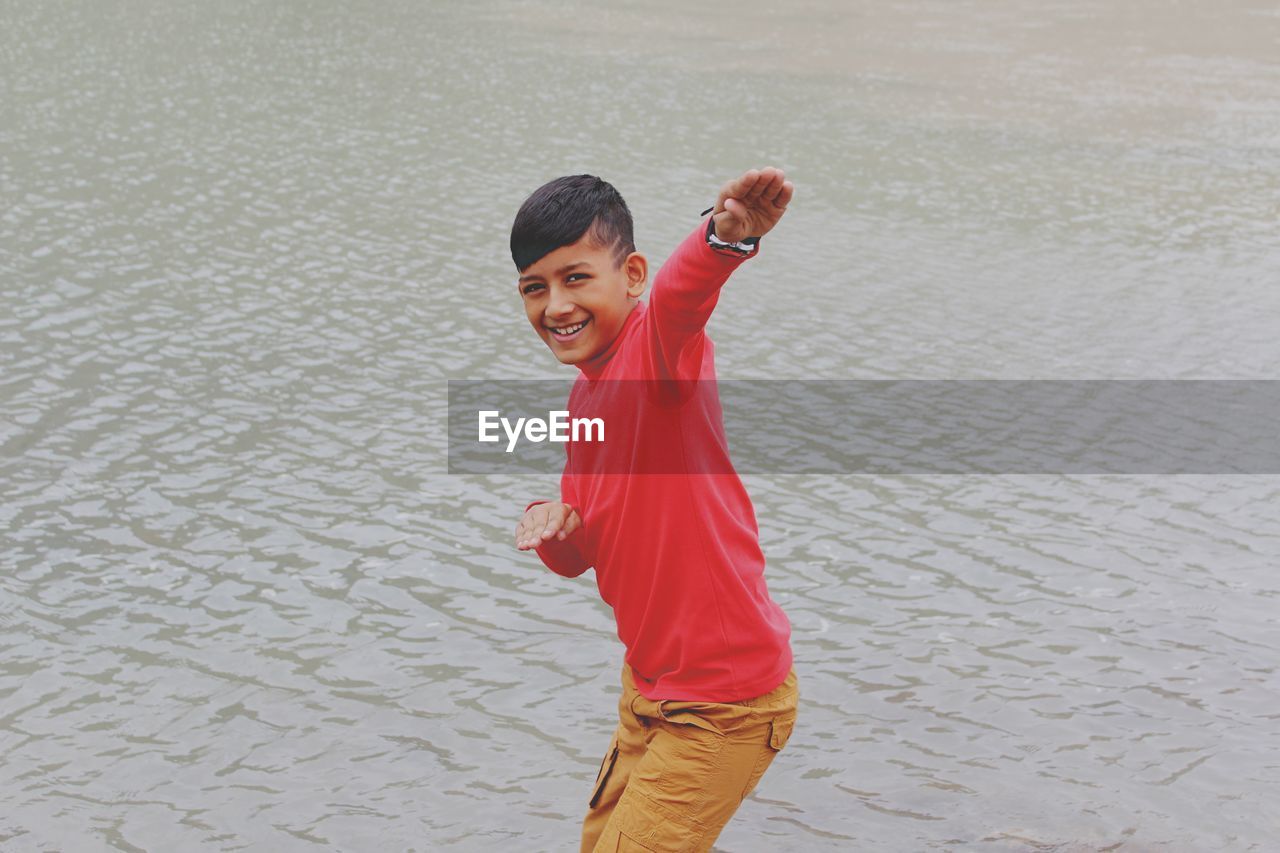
(884, 427)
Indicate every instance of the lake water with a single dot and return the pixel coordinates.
(243, 245)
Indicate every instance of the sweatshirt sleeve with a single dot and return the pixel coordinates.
(685, 292)
(561, 557)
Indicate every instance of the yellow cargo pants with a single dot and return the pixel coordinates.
(676, 771)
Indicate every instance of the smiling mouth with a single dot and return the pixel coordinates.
(566, 333)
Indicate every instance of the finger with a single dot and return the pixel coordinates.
(571, 522)
(533, 521)
(737, 210)
(533, 538)
(783, 198)
(537, 515)
(728, 189)
(738, 187)
(763, 185)
(772, 181)
(720, 197)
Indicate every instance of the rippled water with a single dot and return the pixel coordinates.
(243, 245)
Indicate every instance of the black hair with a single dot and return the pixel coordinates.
(559, 212)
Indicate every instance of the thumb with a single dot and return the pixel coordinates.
(727, 222)
(572, 521)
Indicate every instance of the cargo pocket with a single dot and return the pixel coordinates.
(780, 729)
(627, 844)
(643, 824)
(606, 768)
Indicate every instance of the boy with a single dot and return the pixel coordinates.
(709, 694)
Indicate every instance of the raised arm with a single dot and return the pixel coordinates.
(687, 287)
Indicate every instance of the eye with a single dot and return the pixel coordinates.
(577, 275)
(530, 288)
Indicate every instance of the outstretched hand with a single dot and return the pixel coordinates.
(545, 520)
(751, 205)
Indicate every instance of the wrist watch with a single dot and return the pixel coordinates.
(740, 249)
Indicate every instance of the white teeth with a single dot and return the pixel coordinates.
(569, 330)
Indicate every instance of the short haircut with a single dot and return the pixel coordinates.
(560, 212)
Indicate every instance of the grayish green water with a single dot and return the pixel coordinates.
(242, 245)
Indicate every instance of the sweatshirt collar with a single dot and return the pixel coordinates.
(595, 366)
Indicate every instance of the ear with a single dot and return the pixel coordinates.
(636, 267)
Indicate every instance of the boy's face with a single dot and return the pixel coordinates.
(577, 300)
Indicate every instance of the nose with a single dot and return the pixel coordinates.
(559, 303)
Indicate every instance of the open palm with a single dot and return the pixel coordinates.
(751, 205)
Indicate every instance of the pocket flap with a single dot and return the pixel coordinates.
(689, 714)
(606, 767)
(780, 731)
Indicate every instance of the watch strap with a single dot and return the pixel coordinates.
(740, 248)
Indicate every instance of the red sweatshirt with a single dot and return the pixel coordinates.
(677, 555)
